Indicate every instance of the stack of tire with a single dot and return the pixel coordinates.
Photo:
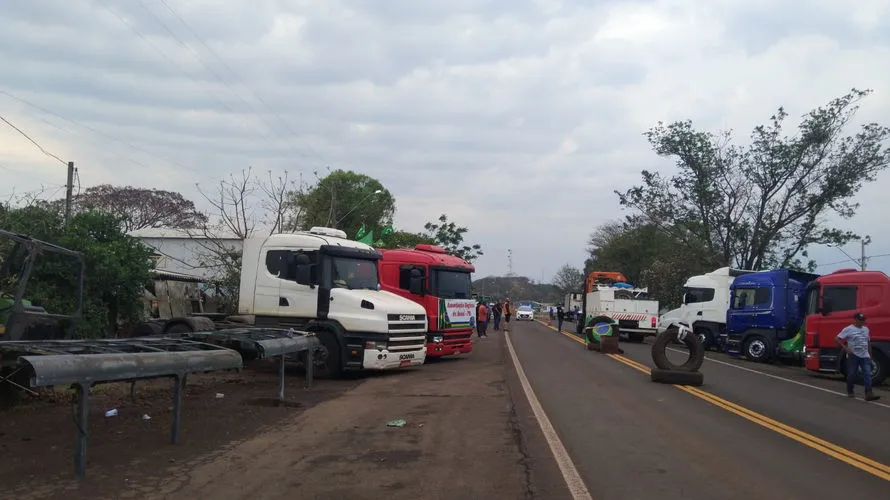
(683, 374)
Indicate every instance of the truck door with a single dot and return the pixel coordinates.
(839, 303)
(294, 299)
(751, 308)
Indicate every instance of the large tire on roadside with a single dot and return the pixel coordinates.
(178, 328)
(659, 352)
(148, 329)
(675, 377)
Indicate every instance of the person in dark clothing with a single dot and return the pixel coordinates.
(508, 310)
(560, 317)
(497, 310)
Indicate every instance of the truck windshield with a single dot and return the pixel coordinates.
(353, 274)
(452, 284)
(695, 295)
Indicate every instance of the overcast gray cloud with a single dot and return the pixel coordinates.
(515, 117)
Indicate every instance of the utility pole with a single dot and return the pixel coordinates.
(863, 261)
(69, 192)
(510, 262)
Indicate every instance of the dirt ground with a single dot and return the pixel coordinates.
(461, 439)
(37, 437)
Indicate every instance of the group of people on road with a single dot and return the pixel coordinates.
(495, 312)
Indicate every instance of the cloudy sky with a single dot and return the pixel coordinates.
(518, 118)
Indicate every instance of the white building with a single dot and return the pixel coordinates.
(185, 252)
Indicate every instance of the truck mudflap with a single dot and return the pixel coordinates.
(384, 359)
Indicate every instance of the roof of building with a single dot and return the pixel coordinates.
(181, 234)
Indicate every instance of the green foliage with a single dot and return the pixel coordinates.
(117, 266)
(569, 279)
(345, 200)
(761, 205)
(649, 257)
(451, 237)
(517, 288)
(405, 239)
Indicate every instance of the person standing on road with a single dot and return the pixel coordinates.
(508, 310)
(482, 321)
(496, 311)
(560, 317)
(854, 340)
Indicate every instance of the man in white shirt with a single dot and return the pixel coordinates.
(858, 349)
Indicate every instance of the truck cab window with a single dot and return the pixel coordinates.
(451, 284)
(696, 295)
(354, 274)
(277, 262)
(752, 297)
(841, 298)
(405, 276)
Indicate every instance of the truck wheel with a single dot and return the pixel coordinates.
(879, 367)
(327, 362)
(705, 337)
(675, 377)
(148, 330)
(659, 352)
(636, 337)
(758, 349)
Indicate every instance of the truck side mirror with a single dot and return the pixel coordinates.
(302, 274)
(415, 283)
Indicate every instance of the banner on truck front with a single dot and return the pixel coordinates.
(457, 313)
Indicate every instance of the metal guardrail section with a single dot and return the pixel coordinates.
(83, 363)
(260, 343)
(264, 342)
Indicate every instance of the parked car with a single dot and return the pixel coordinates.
(525, 313)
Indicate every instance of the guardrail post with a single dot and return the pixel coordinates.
(82, 421)
(177, 407)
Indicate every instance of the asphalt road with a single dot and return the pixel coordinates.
(741, 435)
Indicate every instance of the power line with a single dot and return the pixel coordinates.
(238, 78)
(217, 75)
(26, 136)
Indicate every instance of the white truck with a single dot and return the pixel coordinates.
(320, 281)
(705, 302)
(572, 305)
(631, 308)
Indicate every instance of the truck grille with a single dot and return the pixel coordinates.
(406, 331)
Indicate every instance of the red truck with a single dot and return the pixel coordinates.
(443, 290)
(832, 300)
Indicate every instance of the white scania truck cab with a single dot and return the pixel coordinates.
(705, 302)
(322, 282)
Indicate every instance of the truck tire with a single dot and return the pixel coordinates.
(706, 337)
(148, 329)
(675, 377)
(636, 337)
(659, 352)
(880, 366)
(328, 359)
(758, 349)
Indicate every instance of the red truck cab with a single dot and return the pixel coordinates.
(440, 283)
(832, 300)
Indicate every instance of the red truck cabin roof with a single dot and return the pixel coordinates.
(425, 255)
(854, 277)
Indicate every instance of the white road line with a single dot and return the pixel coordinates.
(776, 377)
(573, 480)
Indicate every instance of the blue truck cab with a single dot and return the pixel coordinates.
(766, 314)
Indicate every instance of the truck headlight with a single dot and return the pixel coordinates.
(438, 339)
(375, 345)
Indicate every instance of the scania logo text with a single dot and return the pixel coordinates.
(405, 356)
(406, 317)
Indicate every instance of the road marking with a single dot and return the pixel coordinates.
(777, 377)
(844, 455)
(569, 473)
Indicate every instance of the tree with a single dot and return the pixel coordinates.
(140, 208)
(405, 239)
(345, 200)
(451, 237)
(117, 266)
(761, 205)
(569, 279)
(241, 206)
